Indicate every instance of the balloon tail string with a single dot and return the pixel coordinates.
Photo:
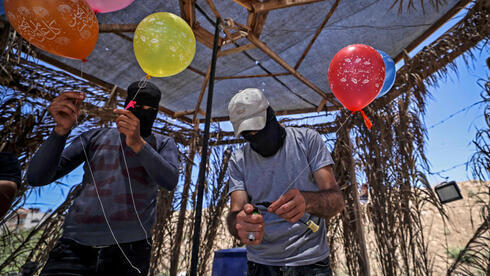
(367, 122)
(141, 84)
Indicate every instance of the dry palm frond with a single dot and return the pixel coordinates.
(411, 5)
(475, 256)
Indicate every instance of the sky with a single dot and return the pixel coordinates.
(448, 144)
(449, 139)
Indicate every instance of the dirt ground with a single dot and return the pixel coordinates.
(464, 218)
(452, 235)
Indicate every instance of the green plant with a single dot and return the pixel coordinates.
(456, 251)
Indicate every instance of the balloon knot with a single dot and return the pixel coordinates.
(84, 60)
(96, 11)
(147, 77)
(130, 105)
(367, 122)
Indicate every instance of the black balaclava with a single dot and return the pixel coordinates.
(9, 168)
(149, 95)
(268, 140)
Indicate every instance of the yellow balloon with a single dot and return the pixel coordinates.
(164, 44)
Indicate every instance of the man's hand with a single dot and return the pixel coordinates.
(65, 110)
(129, 125)
(7, 195)
(290, 206)
(247, 222)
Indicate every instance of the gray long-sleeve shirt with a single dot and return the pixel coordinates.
(155, 165)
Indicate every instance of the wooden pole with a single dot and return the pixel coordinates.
(364, 259)
(189, 165)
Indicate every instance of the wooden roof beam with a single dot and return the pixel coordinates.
(262, 46)
(92, 79)
(120, 28)
(259, 7)
(188, 11)
(318, 31)
(259, 23)
(77, 72)
(250, 19)
(441, 21)
(204, 36)
(180, 114)
(197, 71)
(214, 9)
(255, 22)
(280, 113)
(245, 3)
(201, 96)
(236, 50)
(123, 36)
(251, 76)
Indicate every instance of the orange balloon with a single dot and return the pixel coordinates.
(66, 28)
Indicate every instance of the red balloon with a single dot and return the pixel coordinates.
(356, 75)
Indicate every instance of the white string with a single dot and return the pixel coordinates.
(102, 206)
(141, 84)
(131, 192)
(309, 163)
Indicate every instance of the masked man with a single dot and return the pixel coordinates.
(287, 174)
(108, 228)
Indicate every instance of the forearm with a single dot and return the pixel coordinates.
(158, 168)
(43, 166)
(7, 195)
(231, 222)
(324, 203)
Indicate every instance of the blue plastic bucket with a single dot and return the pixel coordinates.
(230, 262)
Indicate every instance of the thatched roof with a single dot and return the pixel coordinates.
(286, 31)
